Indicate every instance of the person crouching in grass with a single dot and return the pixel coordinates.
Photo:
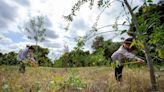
(26, 57)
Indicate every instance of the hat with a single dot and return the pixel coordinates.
(128, 40)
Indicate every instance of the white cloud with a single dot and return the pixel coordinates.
(8, 13)
(23, 2)
(7, 45)
(54, 10)
(5, 41)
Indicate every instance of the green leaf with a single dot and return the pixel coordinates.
(112, 65)
(149, 1)
(117, 63)
(141, 44)
(100, 3)
(123, 31)
(124, 23)
(161, 53)
(68, 18)
(133, 43)
(135, 8)
(58, 79)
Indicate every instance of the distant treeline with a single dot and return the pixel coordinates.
(77, 57)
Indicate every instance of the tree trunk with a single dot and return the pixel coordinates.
(146, 51)
(36, 51)
(151, 68)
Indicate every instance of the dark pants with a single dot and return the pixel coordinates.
(22, 67)
(118, 73)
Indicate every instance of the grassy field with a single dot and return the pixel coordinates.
(88, 79)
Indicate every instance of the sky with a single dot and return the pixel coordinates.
(15, 13)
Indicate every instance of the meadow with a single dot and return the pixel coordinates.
(83, 79)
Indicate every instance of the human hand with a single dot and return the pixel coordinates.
(32, 59)
(140, 61)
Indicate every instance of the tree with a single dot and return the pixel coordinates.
(11, 57)
(140, 38)
(1, 58)
(8, 58)
(110, 47)
(107, 46)
(36, 29)
(42, 53)
(153, 16)
(98, 42)
(79, 58)
(141, 26)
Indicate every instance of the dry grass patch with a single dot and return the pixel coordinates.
(87, 79)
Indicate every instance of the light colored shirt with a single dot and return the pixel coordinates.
(122, 55)
(22, 54)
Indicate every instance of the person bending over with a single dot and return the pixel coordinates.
(121, 55)
(26, 56)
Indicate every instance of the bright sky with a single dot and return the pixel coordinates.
(14, 13)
